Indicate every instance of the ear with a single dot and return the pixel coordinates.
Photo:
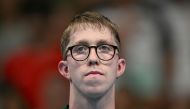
(121, 67)
(63, 69)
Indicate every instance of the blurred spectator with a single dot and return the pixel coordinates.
(178, 15)
(14, 32)
(14, 29)
(33, 69)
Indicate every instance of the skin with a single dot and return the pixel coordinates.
(93, 91)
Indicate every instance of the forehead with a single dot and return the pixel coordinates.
(92, 36)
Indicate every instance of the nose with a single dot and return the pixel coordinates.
(93, 58)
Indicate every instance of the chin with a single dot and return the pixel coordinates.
(95, 92)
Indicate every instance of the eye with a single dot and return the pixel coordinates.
(105, 48)
(80, 49)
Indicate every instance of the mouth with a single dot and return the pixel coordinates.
(94, 73)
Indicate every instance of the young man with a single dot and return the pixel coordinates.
(92, 63)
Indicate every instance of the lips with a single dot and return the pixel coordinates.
(94, 73)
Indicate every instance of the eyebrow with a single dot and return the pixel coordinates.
(82, 42)
(101, 42)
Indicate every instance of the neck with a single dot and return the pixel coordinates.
(80, 101)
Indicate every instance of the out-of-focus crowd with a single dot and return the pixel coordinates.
(155, 37)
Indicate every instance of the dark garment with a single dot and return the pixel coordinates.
(66, 107)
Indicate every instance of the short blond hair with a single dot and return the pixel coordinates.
(88, 19)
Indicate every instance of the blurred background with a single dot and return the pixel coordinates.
(155, 41)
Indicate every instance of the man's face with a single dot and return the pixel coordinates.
(93, 76)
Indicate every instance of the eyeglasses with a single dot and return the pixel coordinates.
(104, 52)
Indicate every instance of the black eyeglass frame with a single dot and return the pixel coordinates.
(89, 48)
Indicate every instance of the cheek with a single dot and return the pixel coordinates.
(114, 66)
(112, 70)
(73, 69)
(73, 65)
